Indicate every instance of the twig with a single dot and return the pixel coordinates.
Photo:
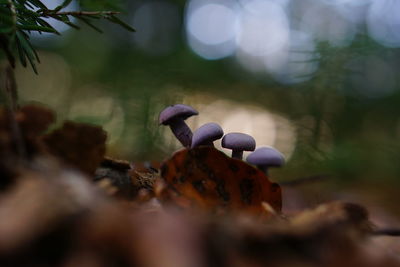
(11, 88)
(78, 13)
(4, 45)
(387, 232)
(13, 12)
(10, 91)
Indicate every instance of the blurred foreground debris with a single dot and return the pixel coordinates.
(57, 208)
(80, 145)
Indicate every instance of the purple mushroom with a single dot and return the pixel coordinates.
(175, 117)
(266, 157)
(238, 142)
(207, 134)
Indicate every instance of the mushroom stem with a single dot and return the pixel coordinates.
(237, 154)
(182, 132)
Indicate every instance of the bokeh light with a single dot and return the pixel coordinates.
(264, 28)
(327, 24)
(264, 35)
(261, 34)
(384, 22)
(353, 10)
(211, 28)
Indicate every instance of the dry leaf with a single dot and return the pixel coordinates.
(207, 178)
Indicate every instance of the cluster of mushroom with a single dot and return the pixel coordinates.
(175, 116)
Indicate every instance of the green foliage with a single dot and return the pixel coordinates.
(19, 18)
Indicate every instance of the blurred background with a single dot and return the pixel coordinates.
(317, 79)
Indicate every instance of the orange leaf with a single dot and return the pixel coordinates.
(208, 179)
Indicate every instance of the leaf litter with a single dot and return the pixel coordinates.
(63, 203)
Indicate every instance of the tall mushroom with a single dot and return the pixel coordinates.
(266, 157)
(207, 134)
(175, 117)
(238, 142)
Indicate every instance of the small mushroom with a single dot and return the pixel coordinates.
(175, 117)
(207, 134)
(238, 142)
(266, 157)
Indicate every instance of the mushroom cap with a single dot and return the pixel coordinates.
(178, 111)
(266, 156)
(206, 133)
(238, 141)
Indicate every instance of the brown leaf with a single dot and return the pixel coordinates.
(34, 120)
(78, 144)
(207, 178)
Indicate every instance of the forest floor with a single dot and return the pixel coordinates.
(64, 203)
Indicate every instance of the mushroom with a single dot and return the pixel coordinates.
(175, 117)
(266, 157)
(207, 134)
(238, 142)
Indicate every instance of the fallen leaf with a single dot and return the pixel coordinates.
(207, 178)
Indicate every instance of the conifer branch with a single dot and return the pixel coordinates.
(78, 13)
(19, 18)
(13, 12)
